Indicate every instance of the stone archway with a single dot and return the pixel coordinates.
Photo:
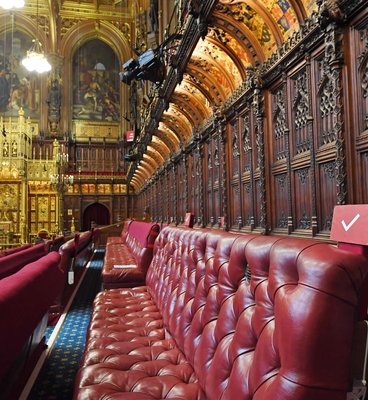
(97, 213)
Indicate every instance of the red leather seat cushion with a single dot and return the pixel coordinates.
(126, 263)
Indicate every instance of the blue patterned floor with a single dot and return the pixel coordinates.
(56, 378)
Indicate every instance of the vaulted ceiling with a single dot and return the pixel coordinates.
(241, 34)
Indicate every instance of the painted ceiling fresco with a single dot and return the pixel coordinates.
(242, 34)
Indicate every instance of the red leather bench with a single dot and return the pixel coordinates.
(225, 316)
(78, 250)
(120, 239)
(75, 252)
(128, 257)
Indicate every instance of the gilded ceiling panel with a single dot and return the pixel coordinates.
(283, 14)
(160, 146)
(245, 14)
(168, 137)
(212, 95)
(204, 71)
(229, 42)
(189, 106)
(224, 68)
(173, 124)
(157, 155)
(182, 114)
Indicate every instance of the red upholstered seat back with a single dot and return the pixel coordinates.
(15, 249)
(14, 262)
(259, 317)
(140, 239)
(125, 229)
(25, 298)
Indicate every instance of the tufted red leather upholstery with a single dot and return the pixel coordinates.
(227, 317)
(135, 249)
(120, 239)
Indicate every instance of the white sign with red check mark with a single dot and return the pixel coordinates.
(350, 224)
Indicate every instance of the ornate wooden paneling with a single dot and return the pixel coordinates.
(302, 207)
(247, 205)
(326, 199)
(281, 194)
(364, 181)
(209, 179)
(292, 146)
(280, 201)
(196, 183)
(236, 220)
(211, 174)
(248, 154)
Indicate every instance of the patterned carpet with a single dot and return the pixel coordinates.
(56, 379)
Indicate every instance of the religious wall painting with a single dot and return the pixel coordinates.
(19, 88)
(96, 83)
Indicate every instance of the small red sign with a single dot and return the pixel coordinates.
(189, 220)
(350, 224)
(130, 136)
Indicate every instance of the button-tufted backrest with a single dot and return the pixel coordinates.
(259, 317)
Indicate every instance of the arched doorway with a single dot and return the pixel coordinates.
(96, 212)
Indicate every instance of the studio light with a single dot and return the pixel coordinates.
(148, 66)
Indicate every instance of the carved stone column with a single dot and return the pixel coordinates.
(55, 96)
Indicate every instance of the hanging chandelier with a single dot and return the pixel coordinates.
(35, 59)
(8, 4)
